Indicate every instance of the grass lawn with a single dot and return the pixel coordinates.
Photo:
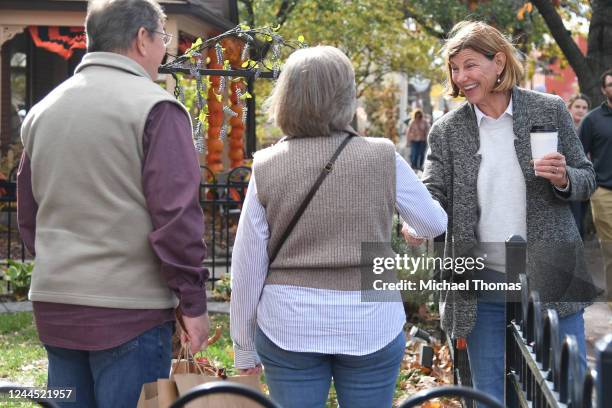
(23, 359)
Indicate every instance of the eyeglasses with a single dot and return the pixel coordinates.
(166, 38)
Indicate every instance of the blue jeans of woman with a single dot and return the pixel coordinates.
(486, 346)
(112, 378)
(417, 154)
(302, 380)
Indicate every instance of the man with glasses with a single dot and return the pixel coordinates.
(166, 38)
(596, 135)
(108, 201)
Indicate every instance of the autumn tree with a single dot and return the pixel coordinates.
(589, 67)
(372, 33)
(527, 24)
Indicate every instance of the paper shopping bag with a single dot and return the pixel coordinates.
(188, 373)
(159, 394)
(185, 382)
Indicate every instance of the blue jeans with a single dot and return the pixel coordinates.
(487, 341)
(417, 154)
(302, 380)
(112, 378)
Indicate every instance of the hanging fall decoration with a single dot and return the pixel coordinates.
(219, 67)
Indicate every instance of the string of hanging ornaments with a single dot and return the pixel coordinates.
(221, 66)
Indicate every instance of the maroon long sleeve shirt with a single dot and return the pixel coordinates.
(178, 228)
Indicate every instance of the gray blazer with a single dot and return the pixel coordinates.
(556, 265)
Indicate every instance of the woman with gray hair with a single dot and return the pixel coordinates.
(296, 302)
(481, 169)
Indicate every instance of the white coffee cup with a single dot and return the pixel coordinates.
(544, 140)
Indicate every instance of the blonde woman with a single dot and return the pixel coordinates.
(479, 167)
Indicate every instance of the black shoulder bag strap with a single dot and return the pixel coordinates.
(324, 172)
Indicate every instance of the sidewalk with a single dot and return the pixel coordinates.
(598, 323)
(598, 317)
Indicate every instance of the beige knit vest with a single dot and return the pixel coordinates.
(354, 205)
(84, 141)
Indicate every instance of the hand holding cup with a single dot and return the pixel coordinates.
(547, 162)
(552, 167)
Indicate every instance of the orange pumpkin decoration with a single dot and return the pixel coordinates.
(214, 132)
(214, 106)
(215, 119)
(235, 144)
(237, 133)
(215, 145)
(236, 154)
(216, 167)
(237, 109)
(238, 85)
(214, 158)
(233, 51)
(238, 126)
(236, 121)
(215, 80)
(212, 54)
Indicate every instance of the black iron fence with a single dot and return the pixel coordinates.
(221, 198)
(11, 246)
(542, 370)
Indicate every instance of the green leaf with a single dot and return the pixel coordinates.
(194, 46)
(202, 116)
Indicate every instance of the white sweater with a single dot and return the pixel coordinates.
(501, 189)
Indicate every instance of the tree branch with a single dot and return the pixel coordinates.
(248, 5)
(284, 10)
(423, 23)
(564, 39)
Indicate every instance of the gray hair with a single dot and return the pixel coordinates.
(314, 94)
(112, 25)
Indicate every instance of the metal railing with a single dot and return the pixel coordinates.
(542, 370)
(12, 247)
(466, 393)
(221, 198)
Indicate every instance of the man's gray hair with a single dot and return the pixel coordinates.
(112, 25)
(314, 94)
